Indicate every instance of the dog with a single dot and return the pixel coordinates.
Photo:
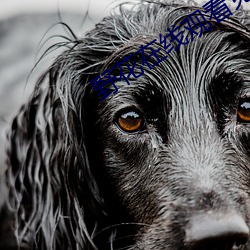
(162, 164)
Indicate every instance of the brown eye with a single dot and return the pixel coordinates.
(130, 121)
(243, 113)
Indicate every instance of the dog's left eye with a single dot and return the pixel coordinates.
(243, 113)
(130, 121)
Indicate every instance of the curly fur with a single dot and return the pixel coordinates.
(75, 181)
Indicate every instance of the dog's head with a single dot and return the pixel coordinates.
(161, 164)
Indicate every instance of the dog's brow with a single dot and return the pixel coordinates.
(217, 9)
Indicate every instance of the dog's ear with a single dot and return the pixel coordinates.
(51, 186)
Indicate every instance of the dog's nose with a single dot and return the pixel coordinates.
(217, 232)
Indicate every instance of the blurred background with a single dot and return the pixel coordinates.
(25, 26)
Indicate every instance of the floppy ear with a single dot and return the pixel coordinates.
(54, 198)
(51, 186)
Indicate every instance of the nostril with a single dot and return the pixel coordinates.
(241, 241)
(217, 232)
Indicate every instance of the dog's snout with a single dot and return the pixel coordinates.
(217, 232)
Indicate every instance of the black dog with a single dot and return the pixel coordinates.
(162, 164)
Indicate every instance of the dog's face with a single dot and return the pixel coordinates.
(162, 164)
(175, 146)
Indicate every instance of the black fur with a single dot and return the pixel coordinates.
(77, 181)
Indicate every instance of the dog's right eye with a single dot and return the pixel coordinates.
(130, 121)
(243, 113)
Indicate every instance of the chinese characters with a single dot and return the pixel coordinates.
(195, 23)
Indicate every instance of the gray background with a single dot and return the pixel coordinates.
(23, 25)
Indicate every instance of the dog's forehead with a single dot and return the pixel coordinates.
(193, 85)
(213, 65)
(194, 68)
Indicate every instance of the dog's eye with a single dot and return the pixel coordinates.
(243, 113)
(130, 121)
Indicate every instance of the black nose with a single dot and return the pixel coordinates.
(217, 232)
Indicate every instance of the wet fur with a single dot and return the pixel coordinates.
(76, 181)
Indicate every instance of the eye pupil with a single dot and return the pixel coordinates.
(130, 122)
(243, 113)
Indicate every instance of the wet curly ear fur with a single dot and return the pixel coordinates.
(54, 199)
(50, 169)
